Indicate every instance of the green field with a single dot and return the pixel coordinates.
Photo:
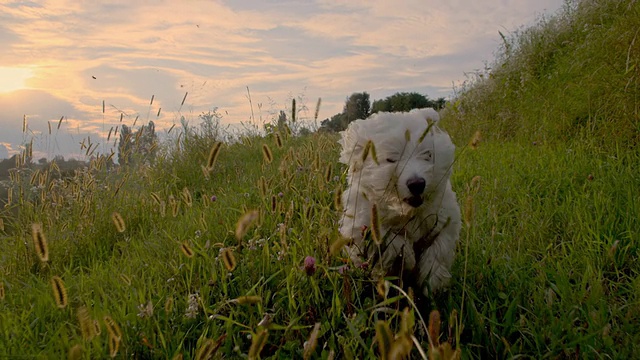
(547, 264)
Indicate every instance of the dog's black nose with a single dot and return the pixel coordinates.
(416, 186)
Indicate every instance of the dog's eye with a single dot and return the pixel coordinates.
(427, 155)
(389, 160)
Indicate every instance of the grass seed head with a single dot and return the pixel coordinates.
(407, 323)
(206, 350)
(312, 342)
(168, 305)
(262, 186)
(59, 292)
(228, 259)
(337, 198)
(118, 221)
(175, 206)
(186, 249)
(315, 114)
(434, 328)
(40, 242)
(384, 336)
(475, 140)
(1, 291)
(370, 148)
(267, 154)
(163, 209)
(114, 346)
(468, 211)
(328, 171)
(186, 197)
(278, 140)
(213, 155)
(75, 352)
(156, 198)
(430, 125)
(125, 279)
(248, 300)
(401, 348)
(293, 110)
(112, 327)
(383, 287)
(244, 223)
(338, 245)
(258, 342)
(375, 225)
(86, 324)
(97, 328)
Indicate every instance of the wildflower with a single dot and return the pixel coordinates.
(214, 198)
(193, 306)
(145, 311)
(310, 265)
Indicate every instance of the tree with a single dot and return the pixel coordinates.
(336, 123)
(357, 106)
(402, 101)
(140, 146)
(125, 145)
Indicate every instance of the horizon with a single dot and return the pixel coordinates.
(93, 65)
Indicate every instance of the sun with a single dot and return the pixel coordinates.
(12, 79)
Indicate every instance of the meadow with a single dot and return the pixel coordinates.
(231, 250)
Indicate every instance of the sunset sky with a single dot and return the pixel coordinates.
(63, 58)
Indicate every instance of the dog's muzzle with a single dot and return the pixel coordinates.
(416, 187)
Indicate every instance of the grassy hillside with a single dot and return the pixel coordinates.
(161, 262)
(572, 76)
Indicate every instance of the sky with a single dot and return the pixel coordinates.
(66, 58)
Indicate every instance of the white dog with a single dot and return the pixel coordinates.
(406, 176)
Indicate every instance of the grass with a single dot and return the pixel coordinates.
(149, 261)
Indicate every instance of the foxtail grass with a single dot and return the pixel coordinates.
(40, 242)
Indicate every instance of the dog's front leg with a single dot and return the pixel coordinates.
(435, 262)
(397, 246)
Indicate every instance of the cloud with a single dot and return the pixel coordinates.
(4, 151)
(215, 50)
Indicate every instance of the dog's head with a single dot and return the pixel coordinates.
(414, 158)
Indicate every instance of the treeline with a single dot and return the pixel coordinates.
(358, 106)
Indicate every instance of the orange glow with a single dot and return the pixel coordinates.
(12, 79)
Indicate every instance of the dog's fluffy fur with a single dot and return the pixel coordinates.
(419, 216)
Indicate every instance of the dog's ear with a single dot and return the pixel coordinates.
(352, 145)
(445, 150)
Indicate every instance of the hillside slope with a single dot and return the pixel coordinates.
(575, 75)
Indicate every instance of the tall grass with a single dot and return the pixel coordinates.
(575, 75)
